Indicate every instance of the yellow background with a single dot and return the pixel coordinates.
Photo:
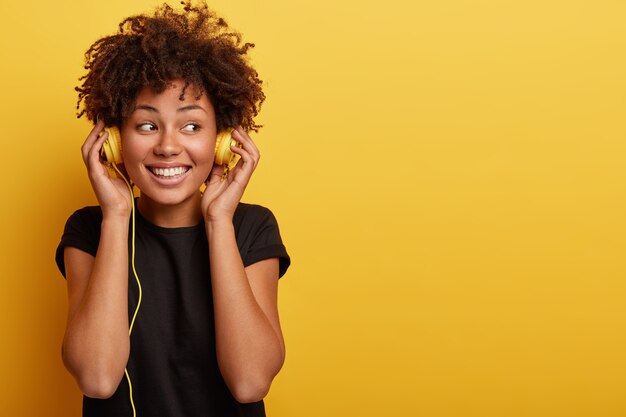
(449, 178)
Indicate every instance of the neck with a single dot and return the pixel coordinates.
(184, 214)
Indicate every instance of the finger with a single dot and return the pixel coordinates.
(215, 175)
(91, 138)
(244, 138)
(246, 141)
(242, 172)
(93, 156)
(247, 158)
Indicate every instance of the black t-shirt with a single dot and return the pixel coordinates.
(173, 364)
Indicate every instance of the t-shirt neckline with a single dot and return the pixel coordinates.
(166, 230)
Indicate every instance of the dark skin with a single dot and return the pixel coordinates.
(249, 341)
(194, 53)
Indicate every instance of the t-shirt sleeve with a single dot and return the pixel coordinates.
(82, 231)
(258, 236)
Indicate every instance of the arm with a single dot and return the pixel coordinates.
(96, 344)
(250, 347)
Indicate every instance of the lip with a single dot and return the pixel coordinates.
(168, 182)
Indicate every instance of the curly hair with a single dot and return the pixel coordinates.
(193, 44)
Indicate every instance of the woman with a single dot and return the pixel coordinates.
(191, 276)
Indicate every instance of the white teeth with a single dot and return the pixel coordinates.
(169, 172)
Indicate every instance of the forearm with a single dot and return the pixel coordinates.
(96, 343)
(249, 350)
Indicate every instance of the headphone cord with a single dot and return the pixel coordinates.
(132, 322)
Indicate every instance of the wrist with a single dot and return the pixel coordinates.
(217, 217)
(221, 223)
(121, 210)
(116, 218)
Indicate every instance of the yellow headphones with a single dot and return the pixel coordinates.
(112, 148)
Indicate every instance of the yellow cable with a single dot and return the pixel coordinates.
(132, 262)
(130, 391)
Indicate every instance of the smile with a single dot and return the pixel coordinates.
(169, 172)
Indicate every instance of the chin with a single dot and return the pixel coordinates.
(170, 197)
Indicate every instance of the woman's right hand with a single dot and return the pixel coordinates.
(113, 194)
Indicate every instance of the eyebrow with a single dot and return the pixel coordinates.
(179, 110)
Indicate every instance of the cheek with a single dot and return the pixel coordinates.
(203, 160)
(204, 154)
(133, 157)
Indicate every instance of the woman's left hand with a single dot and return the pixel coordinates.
(222, 195)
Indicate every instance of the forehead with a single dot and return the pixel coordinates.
(172, 96)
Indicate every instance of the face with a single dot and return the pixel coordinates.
(168, 145)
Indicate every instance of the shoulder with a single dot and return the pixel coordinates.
(252, 219)
(258, 235)
(85, 221)
(86, 215)
(246, 212)
(82, 231)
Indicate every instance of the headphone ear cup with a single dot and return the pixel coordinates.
(112, 147)
(223, 154)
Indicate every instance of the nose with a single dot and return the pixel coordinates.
(168, 144)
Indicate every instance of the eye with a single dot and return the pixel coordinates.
(191, 127)
(146, 127)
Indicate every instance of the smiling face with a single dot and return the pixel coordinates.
(168, 147)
